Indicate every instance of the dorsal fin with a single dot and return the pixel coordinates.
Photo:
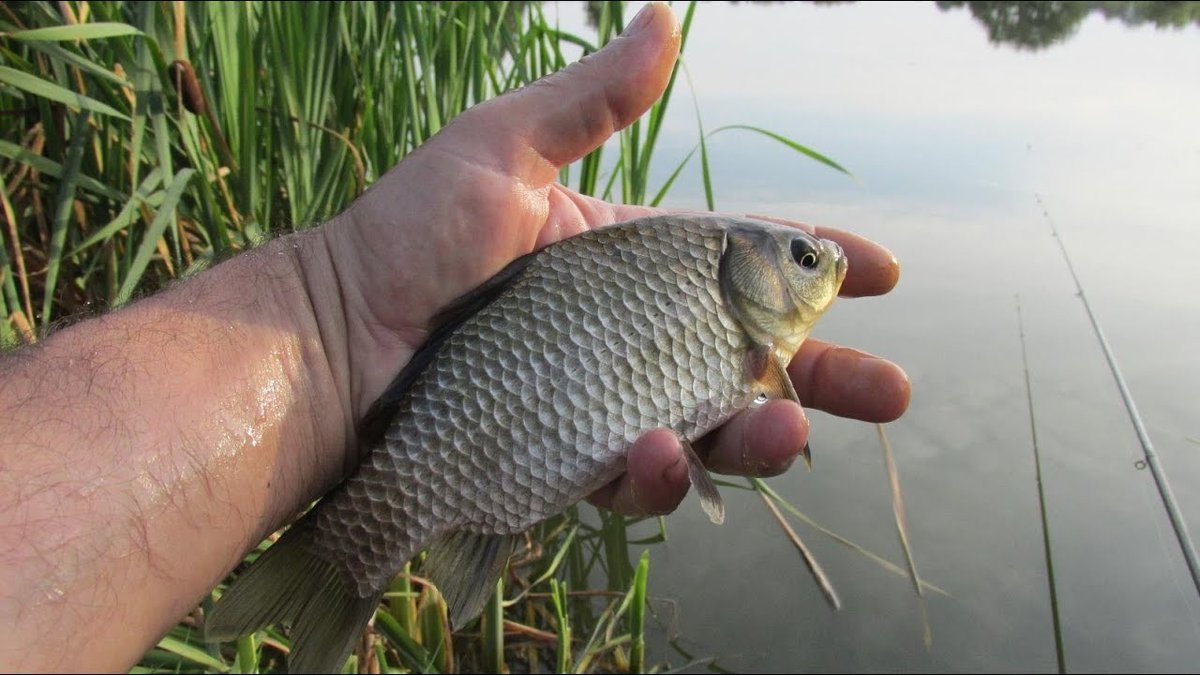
(446, 321)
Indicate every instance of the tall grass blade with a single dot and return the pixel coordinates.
(492, 627)
(128, 214)
(802, 149)
(616, 551)
(412, 653)
(666, 186)
(701, 146)
(592, 648)
(1059, 650)
(705, 170)
(403, 604)
(564, 547)
(558, 592)
(54, 169)
(62, 210)
(164, 217)
(810, 560)
(637, 616)
(692, 663)
(192, 654)
(571, 38)
(902, 530)
(8, 336)
(247, 655)
(886, 564)
(55, 51)
(659, 109)
(55, 92)
(152, 109)
(83, 31)
(433, 625)
(10, 291)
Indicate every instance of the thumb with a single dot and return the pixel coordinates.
(558, 119)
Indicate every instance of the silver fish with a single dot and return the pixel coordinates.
(527, 398)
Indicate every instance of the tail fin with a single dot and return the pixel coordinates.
(289, 583)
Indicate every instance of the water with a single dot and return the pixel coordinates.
(963, 154)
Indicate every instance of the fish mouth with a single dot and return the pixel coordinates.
(840, 261)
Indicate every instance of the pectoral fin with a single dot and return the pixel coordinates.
(710, 498)
(774, 375)
(771, 372)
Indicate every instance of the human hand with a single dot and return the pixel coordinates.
(483, 192)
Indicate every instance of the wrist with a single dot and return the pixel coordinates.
(151, 446)
(296, 308)
(356, 292)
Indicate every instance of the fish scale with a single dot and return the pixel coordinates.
(581, 371)
(526, 399)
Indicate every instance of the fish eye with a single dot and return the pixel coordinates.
(804, 253)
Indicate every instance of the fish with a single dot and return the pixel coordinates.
(526, 398)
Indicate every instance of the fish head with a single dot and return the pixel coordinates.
(777, 281)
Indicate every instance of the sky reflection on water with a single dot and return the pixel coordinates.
(963, 154)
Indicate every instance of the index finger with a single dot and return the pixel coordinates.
(874, 270)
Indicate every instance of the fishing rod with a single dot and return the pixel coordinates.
(1059, 650)
(1160, 477)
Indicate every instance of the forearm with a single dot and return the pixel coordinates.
(180, 431)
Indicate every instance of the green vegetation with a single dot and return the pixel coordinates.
(141, 141)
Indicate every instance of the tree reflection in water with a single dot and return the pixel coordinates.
(1036, 25)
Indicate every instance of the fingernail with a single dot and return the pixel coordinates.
(870, 372)
(639, 22)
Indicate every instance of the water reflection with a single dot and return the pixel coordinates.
(963, 154)
(1036, 25)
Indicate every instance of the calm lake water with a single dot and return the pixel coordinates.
(964, 154)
